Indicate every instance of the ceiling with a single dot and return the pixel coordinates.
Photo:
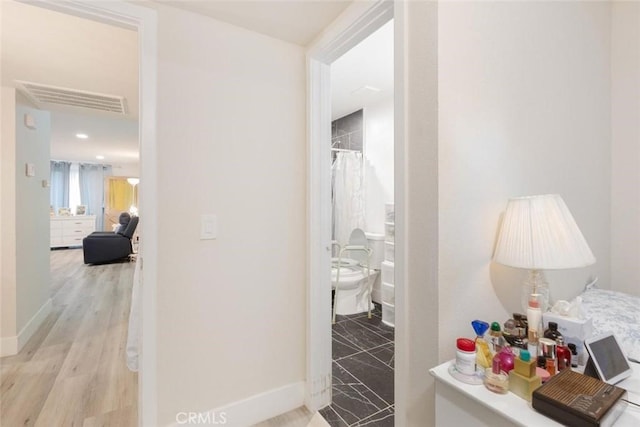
(363, 75)
(51, 48)
(294, 21)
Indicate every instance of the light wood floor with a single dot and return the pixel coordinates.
(72, 372)
(297, 418)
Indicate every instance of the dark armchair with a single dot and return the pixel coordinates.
(103, 247)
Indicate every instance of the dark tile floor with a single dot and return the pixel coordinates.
(363, 366)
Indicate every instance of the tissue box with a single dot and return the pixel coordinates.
(573, 331)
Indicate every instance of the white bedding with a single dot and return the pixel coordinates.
(615, 312)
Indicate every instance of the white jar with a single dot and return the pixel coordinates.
(466, 356)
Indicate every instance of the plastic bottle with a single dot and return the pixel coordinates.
(465, 356)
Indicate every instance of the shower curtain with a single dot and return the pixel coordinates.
(347, 195)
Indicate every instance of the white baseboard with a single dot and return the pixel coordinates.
(12, 345)
(250, 411)
(8, 346)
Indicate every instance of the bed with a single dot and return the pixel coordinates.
(616, 312)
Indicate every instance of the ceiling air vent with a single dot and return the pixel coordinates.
(46, 95)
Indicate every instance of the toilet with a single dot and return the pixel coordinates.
(353, 295)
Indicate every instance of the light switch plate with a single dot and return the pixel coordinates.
(30, 169)
(208, 227)
(29, 121)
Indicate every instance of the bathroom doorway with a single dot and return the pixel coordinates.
(362, 194)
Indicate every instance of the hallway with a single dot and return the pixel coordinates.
(72, 371)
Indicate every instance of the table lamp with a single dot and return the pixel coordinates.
(134, 208)
(539, 233)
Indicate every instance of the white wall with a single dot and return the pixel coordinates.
(126, 169)
(378, 153)
(625, 147)
(231, 142)
(8, 327)
(524, 97)
(416, 198)
(25, 213)
(32, 215)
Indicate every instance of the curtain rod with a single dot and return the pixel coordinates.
(345, 149)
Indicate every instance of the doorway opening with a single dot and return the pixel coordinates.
(143, 22)
(363, 20)
(362, 194)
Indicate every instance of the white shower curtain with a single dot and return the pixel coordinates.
(348, 195)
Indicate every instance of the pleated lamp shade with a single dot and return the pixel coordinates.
(539, 233)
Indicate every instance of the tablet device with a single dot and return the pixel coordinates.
(606, 359)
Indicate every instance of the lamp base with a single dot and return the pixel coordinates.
(536, 284)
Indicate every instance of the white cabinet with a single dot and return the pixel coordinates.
(388, 280)
(70, 230)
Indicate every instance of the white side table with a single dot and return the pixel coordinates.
(460, 404)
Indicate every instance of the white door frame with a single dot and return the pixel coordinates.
(144, 21)
(358, 21)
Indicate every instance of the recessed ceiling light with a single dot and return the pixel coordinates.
(100, 157)
(82, 136)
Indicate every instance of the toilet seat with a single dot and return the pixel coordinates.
(344, 262)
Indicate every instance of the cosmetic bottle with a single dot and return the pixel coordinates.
(552, 331)
(507, 359)
(548, 350)
(495, 338)
(522, 379)
(525, 365)
(483, 354)
(563, 354)
(465, 356)
(512, 334)
(534, 320)
(521, 324)
(574, 355)
(495, 379)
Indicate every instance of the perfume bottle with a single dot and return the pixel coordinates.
(507, 359)
(552, 331)
(548, 350)
(495, 379)
(563, 354)
(495, 338)
(483, 354)
(523, 379)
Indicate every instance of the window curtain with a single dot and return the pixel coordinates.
(59, 185)
(348, 195)
(74, 187)
(92, 190)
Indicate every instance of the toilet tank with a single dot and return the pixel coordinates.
(376, 243)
